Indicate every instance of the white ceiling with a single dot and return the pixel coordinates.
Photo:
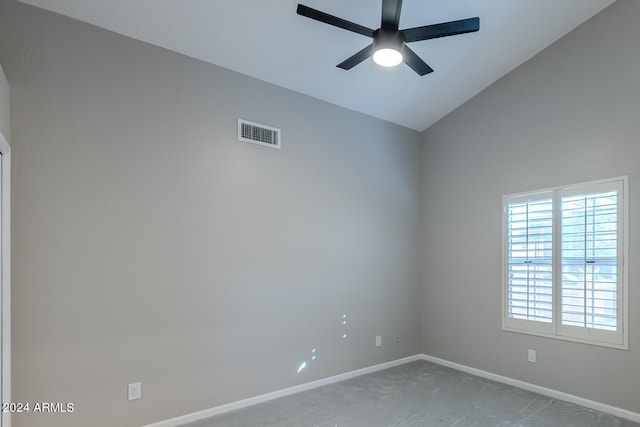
(267, 40)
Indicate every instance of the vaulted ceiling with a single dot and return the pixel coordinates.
(267, 40)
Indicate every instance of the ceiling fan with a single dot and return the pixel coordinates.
(389, 43)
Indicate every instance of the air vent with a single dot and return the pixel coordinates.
(258, 134)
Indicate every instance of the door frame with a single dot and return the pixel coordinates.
(5, 278)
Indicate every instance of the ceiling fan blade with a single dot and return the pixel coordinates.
(391, 14)
(354, 60)
(414, 62)
(334, 20)
(441, 30)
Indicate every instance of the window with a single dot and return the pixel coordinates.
(563, 255)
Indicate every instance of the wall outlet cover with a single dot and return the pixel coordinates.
(531, 356)
(134, 391)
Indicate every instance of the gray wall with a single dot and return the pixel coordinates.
(570, 114)
(149, 245)
(5, 128)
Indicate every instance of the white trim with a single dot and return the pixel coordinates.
(555, 394)
(624, 260)
(200, 415)
(534, 193)
(5, 291)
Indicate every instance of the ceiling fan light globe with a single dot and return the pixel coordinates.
(387, 57)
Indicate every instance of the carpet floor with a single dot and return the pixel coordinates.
(415, 394)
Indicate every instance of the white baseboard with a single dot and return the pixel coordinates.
(555, 394)
(200, 415)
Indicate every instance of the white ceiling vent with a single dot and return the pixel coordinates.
(258, 134)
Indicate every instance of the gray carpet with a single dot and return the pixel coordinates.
(416, 394)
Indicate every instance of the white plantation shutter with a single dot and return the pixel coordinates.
(591, 244)
(530, 248)
(564, 273)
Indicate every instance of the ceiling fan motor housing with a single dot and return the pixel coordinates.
(388, 39)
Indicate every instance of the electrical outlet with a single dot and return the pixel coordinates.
(134, 391)
(378, 341)
(531, 356)
(397, 338)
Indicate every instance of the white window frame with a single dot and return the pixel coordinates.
(555, 329)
